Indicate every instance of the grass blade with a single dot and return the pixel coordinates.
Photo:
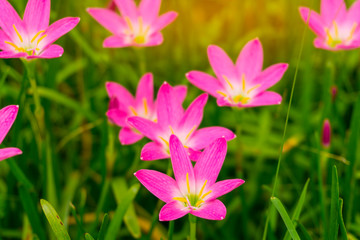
(341, 221)
(103, 228)
(88, 237)
(334, 209)
(285, 216)
(54, 220)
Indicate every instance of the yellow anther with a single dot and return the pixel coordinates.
(41, 38)
(202, 189)
(133, 110)
(206, 194)
(228, 82)
(191, 131)
(222, 93)
(171, 129)
(155, 120)
(128, 22)
(145, 106)
(253, 88)
(166, 142)
(181, 199)
(199, 203)
(17, 32)
(243, 82)
(336, 29)
(187, 182)
(34, 38)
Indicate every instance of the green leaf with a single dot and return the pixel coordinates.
(88, 237)
(334, 208)
(285, 216)
(305, 234)
(103, 227)
(341, 220)
(115, 223)
(54, 220)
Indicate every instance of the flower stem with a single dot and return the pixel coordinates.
(192, 220)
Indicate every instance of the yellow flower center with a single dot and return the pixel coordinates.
(336, 36)
(138, 32)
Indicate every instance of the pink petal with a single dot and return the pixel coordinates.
(164, 20)
(10, 54)
(115, 42)
(222, 64)
(172, 211)
(205, 136)
(58, 29)
(316, 23)
(127, 8)
(149, 10)
(6, 153)
(8, 18)
(224, 187)
(109, 19)
(122, 94)
(127, 136)
(3, 38)
(205, 82)
(37, 15)
(213, 210)
(159, 184)
(320, 43)
(155, 39)
(118, 117)
(145, 90)
(333, 10)
(264, 99)
(210, 162)
(270, 76)
(250, 60)
(169, 109)
(224, 102)
(147, 127)
(180, 93)
(353, 12)
(153, 151)
(194, 154)
(193, 115)
(7, 118)
(53, 51)
(182, 166)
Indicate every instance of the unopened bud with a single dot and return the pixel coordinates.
(326, 134)
(333, 91)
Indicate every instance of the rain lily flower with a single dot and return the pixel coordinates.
(31, 37)
(7, 118)
(194, 189)
(336, 27)
(123, 105)
(137, 26)
(243, 84)
(172, 119)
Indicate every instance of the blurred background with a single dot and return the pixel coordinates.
(93, 171)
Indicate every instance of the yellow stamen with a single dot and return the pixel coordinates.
(171, 129)
(166, 142)
(202, 189)
(181, 199)
(140, 25)
(17, 32)
(206, 194)
(199, 203)
(13, 45)
(34, 38)
(352, 32)
(222, 93)
(41, 38)
(253, 88)
(146, 30)
(187, 182)
(228, 82)
(191, 131)
(330, 39)
(155, 120)
(243, 82)
(336, 29)
(133, 110)
(145, 106)
(128, 22)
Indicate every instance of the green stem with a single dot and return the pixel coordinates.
(192, 220)
(140, 52)
(171, 230)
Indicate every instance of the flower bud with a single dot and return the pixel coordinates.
(326, 134)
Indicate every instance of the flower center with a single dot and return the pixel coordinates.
(137, 31)
(190, 200)
(336, 35)
(25, 46)
(181, 137)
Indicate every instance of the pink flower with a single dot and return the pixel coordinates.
(243, 84)
(137, 26)
(194, 189)
(172, 119)
(336, 27)
(31, 37)
(123, 105)
(326, 134)
(7, 118)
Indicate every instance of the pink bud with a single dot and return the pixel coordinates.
(334, 91)
(112, 5)
(326, 134)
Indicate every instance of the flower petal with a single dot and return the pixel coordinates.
(180, 93)
(205, 82)
(159, 184)
(250, 60)
(8, 18)
(222, 65)
(270, 76)
(182, 166)
(115, 42)
(316, 23)
(147, 127)
(122, 94)
(3, 38)
(145, 90)
(164, 20)
(353, 12)
(153, 151)
(53, 51)
(10, 54)
(224, 187)
(213, 210)
(37, 15)
(155, 39)
(109, 19)
(264, 99)
(149, 10)
(127, 136)
(127, 8)
(6, 153)
(117, 117)
(210, 162)
(172, 211)
(7, 118)
(333, 10)
(205, 136)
